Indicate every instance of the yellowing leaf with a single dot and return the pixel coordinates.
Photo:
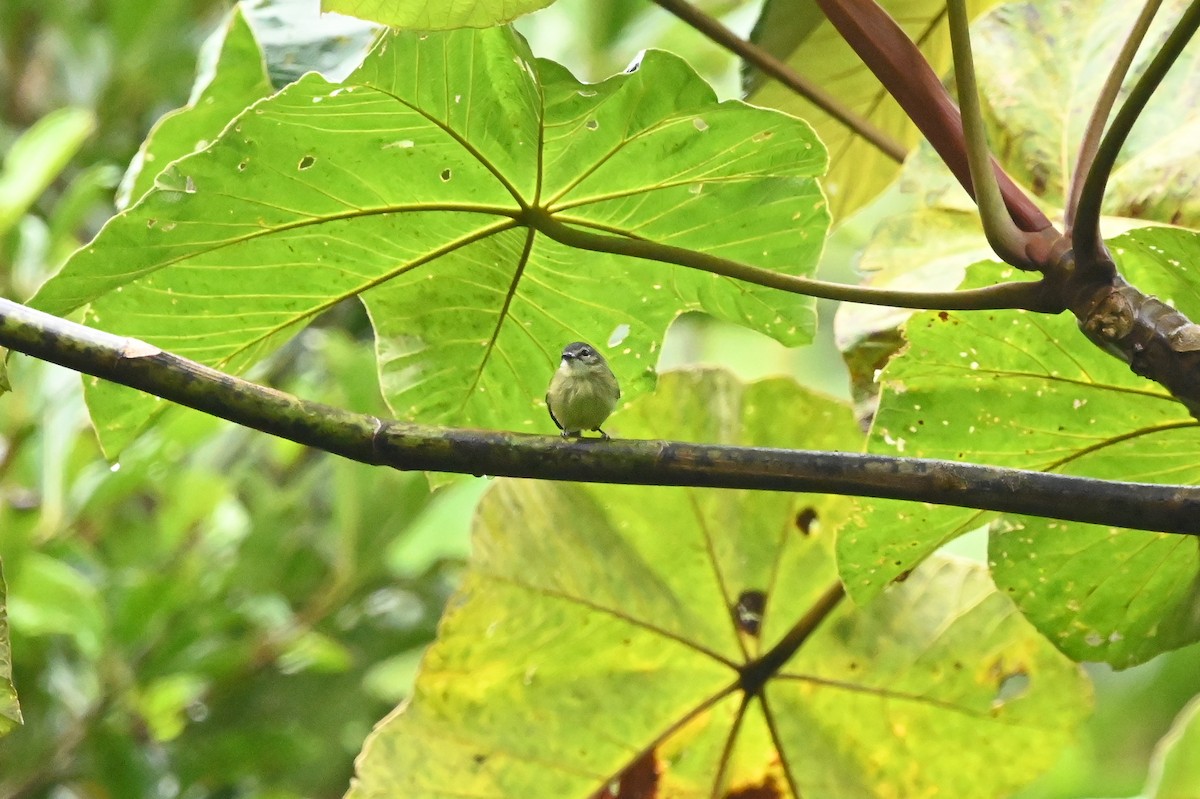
(695, 643)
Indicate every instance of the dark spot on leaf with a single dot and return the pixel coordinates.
(445, 174)
(306, 162)
(943, 315)
(241, 167)
(591, 124)
(902, 576)
(748, 611)
(767, 789)
(479, 759)
(805, 519)
(151, 222)
(1039, 179)
(853, 666)
(638, 781)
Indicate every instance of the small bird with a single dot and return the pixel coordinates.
(583, 391)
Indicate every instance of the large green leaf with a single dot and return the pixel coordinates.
(797, 31)
(410, 187)
(423, 15)
(10, 710)
(37, 157)
(1025, 390)
(638, 641)
(231, 76)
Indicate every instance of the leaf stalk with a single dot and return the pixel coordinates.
(1007, 241)
(1028, 295)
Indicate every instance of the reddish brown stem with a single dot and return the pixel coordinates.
(899, 65)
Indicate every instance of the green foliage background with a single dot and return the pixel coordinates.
(216, 613)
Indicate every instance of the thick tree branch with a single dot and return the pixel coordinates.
(781, 72)
(1028, 295)
(404, 445)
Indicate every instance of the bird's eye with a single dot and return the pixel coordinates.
(585, 352)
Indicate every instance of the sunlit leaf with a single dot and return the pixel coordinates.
(423, 15)
(690, 643)
(410, 187)
(1022, 390)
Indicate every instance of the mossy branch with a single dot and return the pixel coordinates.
(403, 445)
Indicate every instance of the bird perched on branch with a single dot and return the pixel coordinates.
(583, 391)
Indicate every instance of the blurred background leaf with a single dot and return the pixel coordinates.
(10, 708)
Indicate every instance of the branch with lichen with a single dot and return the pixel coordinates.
(404, 445)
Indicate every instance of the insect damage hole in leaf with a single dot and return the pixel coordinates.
(1006, 385)
(430, 233)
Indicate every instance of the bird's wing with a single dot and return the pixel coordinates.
(551, 412)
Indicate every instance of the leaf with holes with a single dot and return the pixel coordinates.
(420, 186)
(231, 75)
(1023, 390)
(703, 635)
